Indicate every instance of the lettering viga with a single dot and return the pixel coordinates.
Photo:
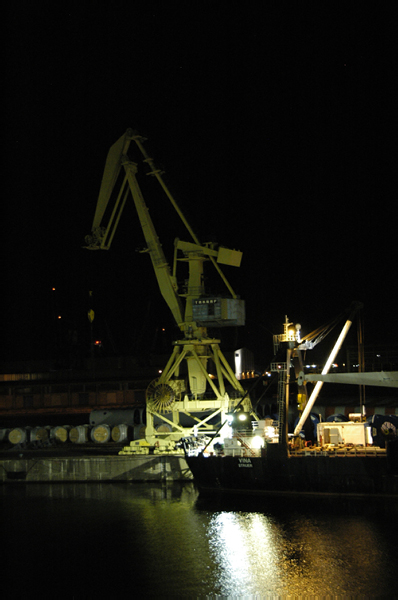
(245, 462)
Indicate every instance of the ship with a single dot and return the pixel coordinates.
(343, 469)
(357, 456)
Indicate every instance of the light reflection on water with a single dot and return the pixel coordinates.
(259, 555)
(86, 541)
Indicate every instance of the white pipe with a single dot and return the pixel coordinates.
(325, 370)
(380, 378)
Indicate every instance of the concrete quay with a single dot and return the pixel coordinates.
(75, 469)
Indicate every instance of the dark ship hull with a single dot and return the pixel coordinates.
(274, 471)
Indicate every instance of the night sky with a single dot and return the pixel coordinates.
(274, 124)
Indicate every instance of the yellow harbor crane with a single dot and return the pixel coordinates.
(185, 407)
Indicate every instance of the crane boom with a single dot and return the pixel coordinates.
(197, 254)
(102, 237)
(167, 283)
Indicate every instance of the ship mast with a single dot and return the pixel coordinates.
(287, 340)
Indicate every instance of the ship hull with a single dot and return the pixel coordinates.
(275, 472)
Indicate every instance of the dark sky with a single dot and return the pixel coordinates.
(274, 124)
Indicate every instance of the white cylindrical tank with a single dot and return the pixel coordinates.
(112, 416)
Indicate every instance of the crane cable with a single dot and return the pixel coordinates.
(320, 333)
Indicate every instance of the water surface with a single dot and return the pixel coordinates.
(110, 540)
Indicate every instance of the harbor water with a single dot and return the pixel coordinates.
(150, 540)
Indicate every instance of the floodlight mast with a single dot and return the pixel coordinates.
(192, 310)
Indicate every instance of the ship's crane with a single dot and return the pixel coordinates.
(193, 310)
(291, 341)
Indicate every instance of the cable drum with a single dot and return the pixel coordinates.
(19, 435)
(39, 434)
(79, 434)
(122, 433)
(60, 433)
(101, 434)
(139, 432)
(163, 428)
(139, 416)
(161, 396)
(4, 434)
(384, 429)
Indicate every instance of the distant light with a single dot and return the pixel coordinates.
(53, 289)
(59, 317)
(242, 417)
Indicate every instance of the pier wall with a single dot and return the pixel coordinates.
(102, 468)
